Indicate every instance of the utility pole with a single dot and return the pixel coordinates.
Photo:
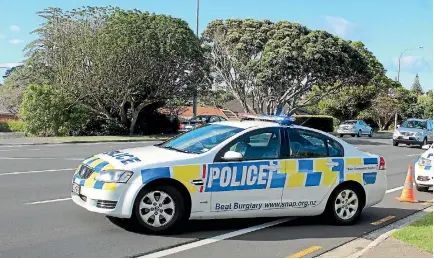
(197, 35)
(399, 71)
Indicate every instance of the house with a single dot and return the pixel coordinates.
(186, 112)
(6, 115)
(236, 107)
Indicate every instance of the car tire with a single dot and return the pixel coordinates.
(171, 211)
(353, 135)
(395, 144)
(422, 188)
(371, 133)
(423, 143)
(341, 135)
(349, 213)
(359, 134)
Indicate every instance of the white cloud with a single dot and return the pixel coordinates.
(412, 62)
(9, 65)
(15, 28)
(15, 41)
(338, 25)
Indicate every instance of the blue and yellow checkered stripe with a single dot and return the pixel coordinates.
(326, 172)
(98, 165)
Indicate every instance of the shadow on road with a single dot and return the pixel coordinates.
(372, 142)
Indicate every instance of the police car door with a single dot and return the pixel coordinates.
(257, 178)
(315, 162)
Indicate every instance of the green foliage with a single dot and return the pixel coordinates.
(416, 88)
(12, 126)
(276, 64)
(47, 113)
(321, 122)
(116, 62)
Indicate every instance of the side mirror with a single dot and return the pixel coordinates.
(232, 156)
(426, 147)
(397, 126)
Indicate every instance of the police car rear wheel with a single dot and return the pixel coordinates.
(346, 206)
(159, 208)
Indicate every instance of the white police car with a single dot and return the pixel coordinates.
(423, 173)
(241, 169)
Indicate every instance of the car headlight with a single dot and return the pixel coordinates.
(424, 161)
(419, 134)
(114, 176)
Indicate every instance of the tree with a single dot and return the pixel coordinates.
(416, 88)
(280, 63)
(116, 62)
(350, 101)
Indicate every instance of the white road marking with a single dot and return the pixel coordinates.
(5, 150)
(39, 171)
(216, 238)
(415, 154)
(395, 189)
(49, 201)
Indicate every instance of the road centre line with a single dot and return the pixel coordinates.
(5, 150)
(381, 221)
(395, 189)
(39, 171)
(305, 252)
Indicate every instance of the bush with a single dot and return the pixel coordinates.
(320, 122)
(12, 126)
(47, 113)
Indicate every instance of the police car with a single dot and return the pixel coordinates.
(423, 173)
(262, 166)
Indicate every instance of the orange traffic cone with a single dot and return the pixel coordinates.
(408, 193)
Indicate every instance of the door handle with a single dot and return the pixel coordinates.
(197, 182)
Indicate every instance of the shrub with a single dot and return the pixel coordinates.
(320, 122)
(12, 126)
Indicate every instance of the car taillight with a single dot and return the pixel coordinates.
(382, 165)
(181, 126)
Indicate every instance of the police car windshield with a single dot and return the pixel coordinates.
(201, 139)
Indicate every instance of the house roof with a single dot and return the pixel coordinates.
(236, 107)
(4, 111)
(187, 111)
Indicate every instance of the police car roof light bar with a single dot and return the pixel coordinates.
(283, 120)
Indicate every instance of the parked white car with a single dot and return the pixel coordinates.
(355, 128)
(423, 175)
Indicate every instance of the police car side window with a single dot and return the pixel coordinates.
(257, 145)
(334, 148)
(306, 144)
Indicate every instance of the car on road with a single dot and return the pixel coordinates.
(414, 132)
(423, 175)
(355, 128)
(199, 121)
(265, 167)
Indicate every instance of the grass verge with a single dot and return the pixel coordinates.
(418, 234)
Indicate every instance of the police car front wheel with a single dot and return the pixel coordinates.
(159, 208)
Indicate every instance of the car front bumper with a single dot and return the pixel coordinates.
(409, 140)
(423, 175)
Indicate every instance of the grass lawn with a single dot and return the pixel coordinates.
(418, 234)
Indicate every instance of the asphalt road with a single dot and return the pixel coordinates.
(37, 218)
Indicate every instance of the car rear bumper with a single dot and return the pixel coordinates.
(347, 132)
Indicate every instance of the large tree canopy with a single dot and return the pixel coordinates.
(117, 62)
(280, 63)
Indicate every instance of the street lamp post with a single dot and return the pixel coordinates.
(399, 71)
(197, 35)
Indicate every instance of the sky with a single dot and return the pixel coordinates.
(386, 27)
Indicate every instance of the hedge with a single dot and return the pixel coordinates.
(320, 122)
(12, 126)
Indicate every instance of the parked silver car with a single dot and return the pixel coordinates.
(355, 128)
(414, 132)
